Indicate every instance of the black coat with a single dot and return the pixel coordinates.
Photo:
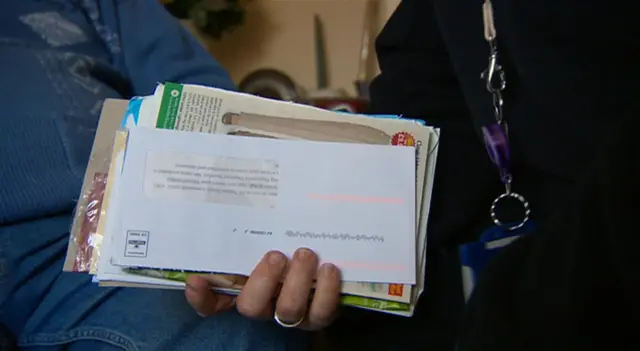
(572, 104)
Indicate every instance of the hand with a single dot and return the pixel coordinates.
(292, 297)
(264, 286)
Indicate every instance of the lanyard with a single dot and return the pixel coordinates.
(496, 135)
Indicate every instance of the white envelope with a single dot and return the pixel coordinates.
(218, 203)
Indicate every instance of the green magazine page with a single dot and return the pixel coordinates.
(375, 304)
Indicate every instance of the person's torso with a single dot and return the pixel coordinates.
(570, 69)
(570, 72)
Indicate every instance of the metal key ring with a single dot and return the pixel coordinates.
(523, 201)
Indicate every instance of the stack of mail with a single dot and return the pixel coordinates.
(197, 180)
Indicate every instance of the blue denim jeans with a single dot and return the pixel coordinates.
(50, 310)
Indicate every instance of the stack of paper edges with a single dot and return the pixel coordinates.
(197, 180)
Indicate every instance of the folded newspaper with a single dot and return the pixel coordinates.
(190, 108)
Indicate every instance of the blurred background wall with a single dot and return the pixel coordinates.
(279, 34)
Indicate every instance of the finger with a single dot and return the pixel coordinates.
(326, 299)
(293, 300)
(255, 300)
(204, 301)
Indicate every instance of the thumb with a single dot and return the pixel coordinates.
(203, 300)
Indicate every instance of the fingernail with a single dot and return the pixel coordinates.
(302, 253)
(328, 269)
(276, 259)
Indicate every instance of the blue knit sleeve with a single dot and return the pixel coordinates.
(150, 46)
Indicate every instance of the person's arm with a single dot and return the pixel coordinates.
(417, 79)
(150, 46)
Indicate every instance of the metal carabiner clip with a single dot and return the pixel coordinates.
(493, 71)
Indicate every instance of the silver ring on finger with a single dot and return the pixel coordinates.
(286, 325)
